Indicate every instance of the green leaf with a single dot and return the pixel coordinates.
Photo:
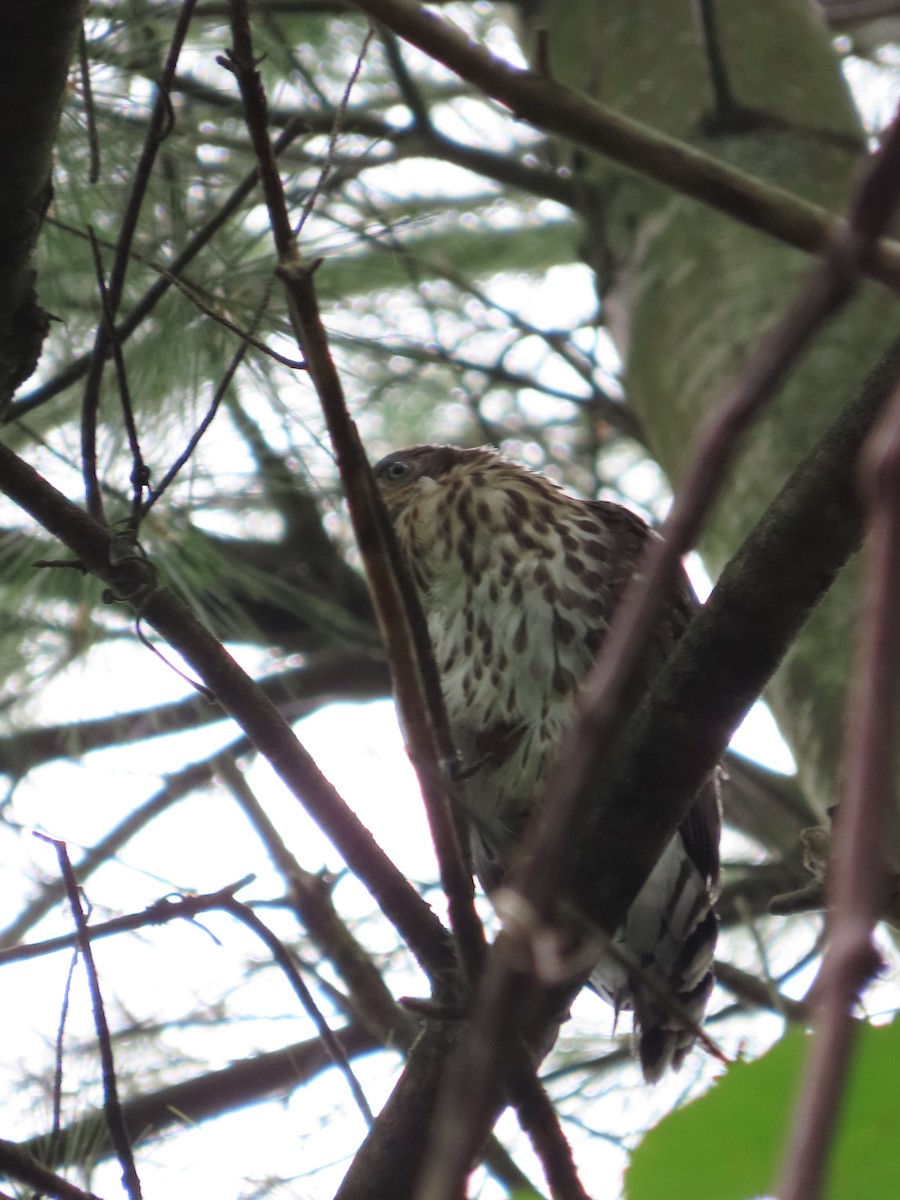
(729, 1144)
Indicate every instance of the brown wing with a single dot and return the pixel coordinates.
(700, 831)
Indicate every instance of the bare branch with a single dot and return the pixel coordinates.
(282, 956)
(159, 127)
(297, 692)
(370, 1001)
(18, 1164)
(550, 106)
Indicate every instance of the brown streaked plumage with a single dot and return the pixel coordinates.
(518, 582)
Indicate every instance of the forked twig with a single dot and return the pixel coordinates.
(285, 961)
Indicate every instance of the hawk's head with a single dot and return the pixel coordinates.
(406, 475)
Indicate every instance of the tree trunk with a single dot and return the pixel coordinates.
(686, 292)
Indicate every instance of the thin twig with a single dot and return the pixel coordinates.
(408, 87)
(140, 476)
(80, 366)
(112, 1109)
(194, 440)
(190, 291)
(309, 896)
(58, 1049)
(159, 125)
(282, 956)
(84, 68)
(161, 911)
(175, 788)
(150, 1114)
(333, 135)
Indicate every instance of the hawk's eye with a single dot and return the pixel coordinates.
(395, 470)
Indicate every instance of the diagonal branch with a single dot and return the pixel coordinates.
(249, 1081)
(548, 105)
(131, 578)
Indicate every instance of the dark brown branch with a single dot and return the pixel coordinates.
(843, 13)
(378, 1020)
(737, 640)
(38, 44)
(769, 807)
(755, 992)
(538, 1119)
(18, 1164)
(413, 141)
(751, 893)
(297, 693)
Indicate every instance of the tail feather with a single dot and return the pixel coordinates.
(661, 966)
(666, 1032)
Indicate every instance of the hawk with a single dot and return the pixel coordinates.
(518, 582)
